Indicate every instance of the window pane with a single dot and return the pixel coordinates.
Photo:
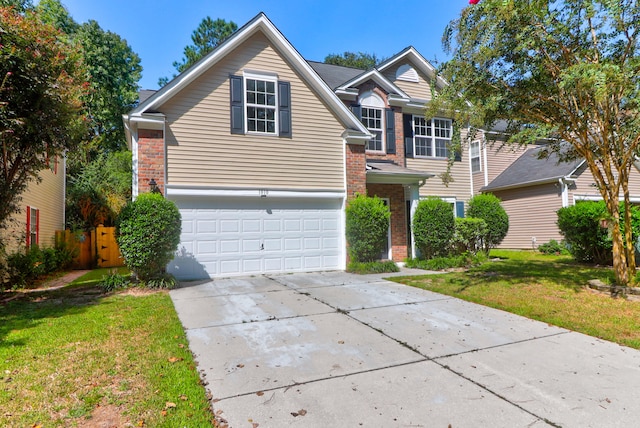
(423, 146)
(261, 126)
(271, 87)
(251, 85)
(441, 148)
(271, 127)
(260, 86)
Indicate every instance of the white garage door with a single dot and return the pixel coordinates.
(232, 236)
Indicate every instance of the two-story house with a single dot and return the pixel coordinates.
(261, 151)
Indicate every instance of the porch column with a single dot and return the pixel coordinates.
(414, 197)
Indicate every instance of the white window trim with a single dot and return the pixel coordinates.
(371, 100)
(432, 137)
(479, 156)
(266, 77)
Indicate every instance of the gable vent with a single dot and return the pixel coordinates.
(407, 73)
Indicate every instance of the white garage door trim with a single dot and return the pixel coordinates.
(247, 236)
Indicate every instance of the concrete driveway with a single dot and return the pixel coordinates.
(334, 349)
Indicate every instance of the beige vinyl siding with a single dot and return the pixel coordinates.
(532, 213)
(459, 188)
(47, 196)
(202, 151)
(420, 89)
(585, 186)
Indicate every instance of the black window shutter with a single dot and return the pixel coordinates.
(237, 104)
(407, 124)
(284, 108)
(460, 209)
(391, 131)
(357, 110)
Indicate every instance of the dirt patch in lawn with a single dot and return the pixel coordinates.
(108, 416)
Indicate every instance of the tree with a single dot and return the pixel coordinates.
(19, 5)
(207, 36)
(41, 112)
(564, 71)
(360, 60)
(99, 192)
(113, 72)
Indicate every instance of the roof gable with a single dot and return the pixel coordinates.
(423, 66)
(530, 170)
(260, 23)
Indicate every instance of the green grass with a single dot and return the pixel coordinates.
(76, 354)
(545, 288)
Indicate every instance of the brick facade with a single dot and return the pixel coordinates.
(356, 170)
(151, 159)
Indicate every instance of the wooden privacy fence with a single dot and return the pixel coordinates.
(96, 248)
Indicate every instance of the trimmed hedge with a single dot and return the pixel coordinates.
(148, 233)
(433, 227)
(488, 207)
(367, 227)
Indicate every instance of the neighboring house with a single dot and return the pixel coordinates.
(533, 189)
(41, 211)
(261, 150)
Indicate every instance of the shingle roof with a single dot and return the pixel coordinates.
(143, 94)
(528, 169)
(334, 75)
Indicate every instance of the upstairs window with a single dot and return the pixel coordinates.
(474, 154)
(372, 119)
(431, 138)
(379, 120)
(261, 106)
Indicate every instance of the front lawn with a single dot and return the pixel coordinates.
(77, 357)
(545, 288)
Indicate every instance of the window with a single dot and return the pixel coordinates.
(261, 106)
(474, 154)
(372, 119)
(431, 138)
(33, 226)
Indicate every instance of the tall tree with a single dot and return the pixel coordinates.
(564, 70)
(41, 111)
(19, 5)
(207, 36)
(113, 72)
(361, 60)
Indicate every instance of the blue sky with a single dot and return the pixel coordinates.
(158, 30)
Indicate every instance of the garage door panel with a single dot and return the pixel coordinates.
(242, 236)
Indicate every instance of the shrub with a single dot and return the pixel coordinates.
(27, 265)
(165, 280)
(488, 208)
(367, 227)
(148, 233)
(372, 267)
(433, 227)
(553, 247)
(580, 226)
(468, 235)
